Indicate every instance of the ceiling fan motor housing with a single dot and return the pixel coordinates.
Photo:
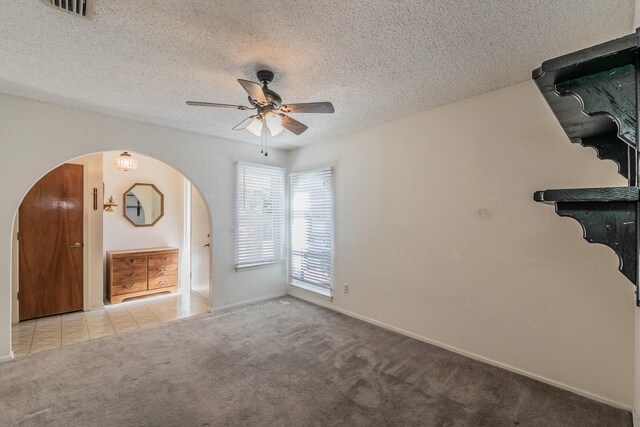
(265, 76)
(274, 99)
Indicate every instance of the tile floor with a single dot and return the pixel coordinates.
(46, 333)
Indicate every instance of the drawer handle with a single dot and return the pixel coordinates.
(163, 258)
(130, 274)
(162, 282)
(128, 286)
(162, 270)
(131, 261)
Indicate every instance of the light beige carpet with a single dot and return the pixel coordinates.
(280, 363)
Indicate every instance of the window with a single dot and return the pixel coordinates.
(311, 230)
(259, 214)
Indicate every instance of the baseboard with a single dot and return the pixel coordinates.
(199, 297)
(252, 301)
(576, 390)
(7, 358)
(636, 418)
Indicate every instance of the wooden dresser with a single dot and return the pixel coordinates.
(139, 272)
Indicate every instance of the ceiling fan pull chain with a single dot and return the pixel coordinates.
(263, 137)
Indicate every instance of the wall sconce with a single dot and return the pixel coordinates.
(108, 207)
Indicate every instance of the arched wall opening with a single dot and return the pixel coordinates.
(38, 136)
(184, 211)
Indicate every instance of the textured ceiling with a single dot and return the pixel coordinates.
(375, 60)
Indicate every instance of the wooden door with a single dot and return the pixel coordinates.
(50, 245)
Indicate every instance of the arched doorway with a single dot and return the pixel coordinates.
(118, 229)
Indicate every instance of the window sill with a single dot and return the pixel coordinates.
(256, 265)
(323, 292)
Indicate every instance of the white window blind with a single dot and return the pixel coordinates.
(260, 214)
(311, 228)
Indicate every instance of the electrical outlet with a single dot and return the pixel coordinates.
(346, 288)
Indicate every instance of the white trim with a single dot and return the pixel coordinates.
(251, 301)
(198, 296)
(319, 290)
(636, 364)
(558, 384)
(185, 263)
(203, 299)
(257, 265)
(8, 358)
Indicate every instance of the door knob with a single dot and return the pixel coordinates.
(207, 245)
(76, 245)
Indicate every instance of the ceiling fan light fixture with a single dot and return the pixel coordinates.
(274, 123)
(255, 127)
(125, 162)
(270, 118)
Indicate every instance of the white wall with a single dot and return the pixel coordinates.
(15, 266)
(40, 136)
(119, 233)
(93, 224)
(438, 236)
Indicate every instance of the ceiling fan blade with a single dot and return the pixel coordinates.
(309, 107)
(293, 125)
(254, 90)
(213, 104)
(243, 124)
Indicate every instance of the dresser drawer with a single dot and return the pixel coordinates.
(128, 286)
(162, 271)
(163, 260)
(128, 263)
(133, 274)
(163, 282)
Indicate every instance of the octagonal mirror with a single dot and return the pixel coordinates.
(143, 205)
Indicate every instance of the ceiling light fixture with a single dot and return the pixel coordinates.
(274, 123)
(255, 127)
(125, 162)
(263, 126)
